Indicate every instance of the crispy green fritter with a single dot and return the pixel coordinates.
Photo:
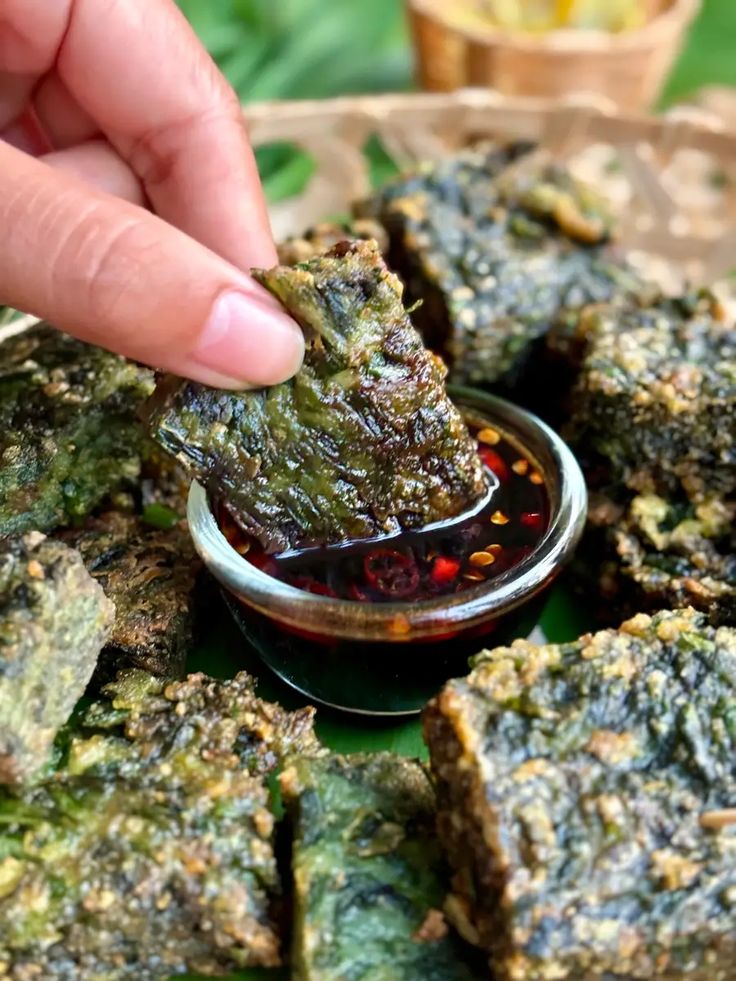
(54, 620)
(150, 574)
(325, 236)
(362, 441)
(103, 881)
(68, 428)
(568, 340)
(149, 853)
(215, 719)
(497, 248)
(652, 422)
(369, 878)
(655, 403)
(587, 798)
(553, 372)
(654, 553)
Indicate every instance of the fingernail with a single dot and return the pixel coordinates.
(248, 342)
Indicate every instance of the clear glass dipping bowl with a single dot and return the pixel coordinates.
(390, 658)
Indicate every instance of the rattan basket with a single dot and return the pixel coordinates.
(627, 68)
(672, 179)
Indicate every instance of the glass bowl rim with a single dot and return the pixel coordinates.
(405, 621)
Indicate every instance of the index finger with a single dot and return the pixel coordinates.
(137, 68)
(140, 72)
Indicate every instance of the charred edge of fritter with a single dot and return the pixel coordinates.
(465, 824)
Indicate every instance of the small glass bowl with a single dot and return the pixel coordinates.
(389, 658)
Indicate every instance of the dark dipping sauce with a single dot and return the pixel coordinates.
(396, 672)
(419, 565)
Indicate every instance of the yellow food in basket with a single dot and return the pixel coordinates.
(538, 16)
(604, 15)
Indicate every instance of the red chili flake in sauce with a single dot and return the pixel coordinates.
(532, 519)
(421, 565)
(495, 462)
(444, 570)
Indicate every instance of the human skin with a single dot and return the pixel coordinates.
(129, 198)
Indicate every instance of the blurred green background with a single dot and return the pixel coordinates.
(300, 49)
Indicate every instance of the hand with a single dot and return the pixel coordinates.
(108, 107)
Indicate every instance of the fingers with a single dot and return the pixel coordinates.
(113, 274)
(134, 71)
(172, 117)
(30, 35)
(26, 134)
(63, 120)
(15, 94)
(99, 165)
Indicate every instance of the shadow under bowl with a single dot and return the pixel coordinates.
(389, 659)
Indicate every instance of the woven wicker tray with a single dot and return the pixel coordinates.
(671, 179)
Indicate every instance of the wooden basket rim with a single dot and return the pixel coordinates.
(425, 126)
(594, 119)
(567, 41)
(597, 116)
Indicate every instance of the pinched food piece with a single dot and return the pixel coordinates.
(150, 575)
(587, 798)
(656, 553)
(368, 872)
(656, 398)
(148, 722)
(54, 620)
(497, 247)
(150, 852)
(68, 428)
(362, 441)
(326, 236)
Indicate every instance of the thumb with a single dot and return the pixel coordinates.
(113, 274)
